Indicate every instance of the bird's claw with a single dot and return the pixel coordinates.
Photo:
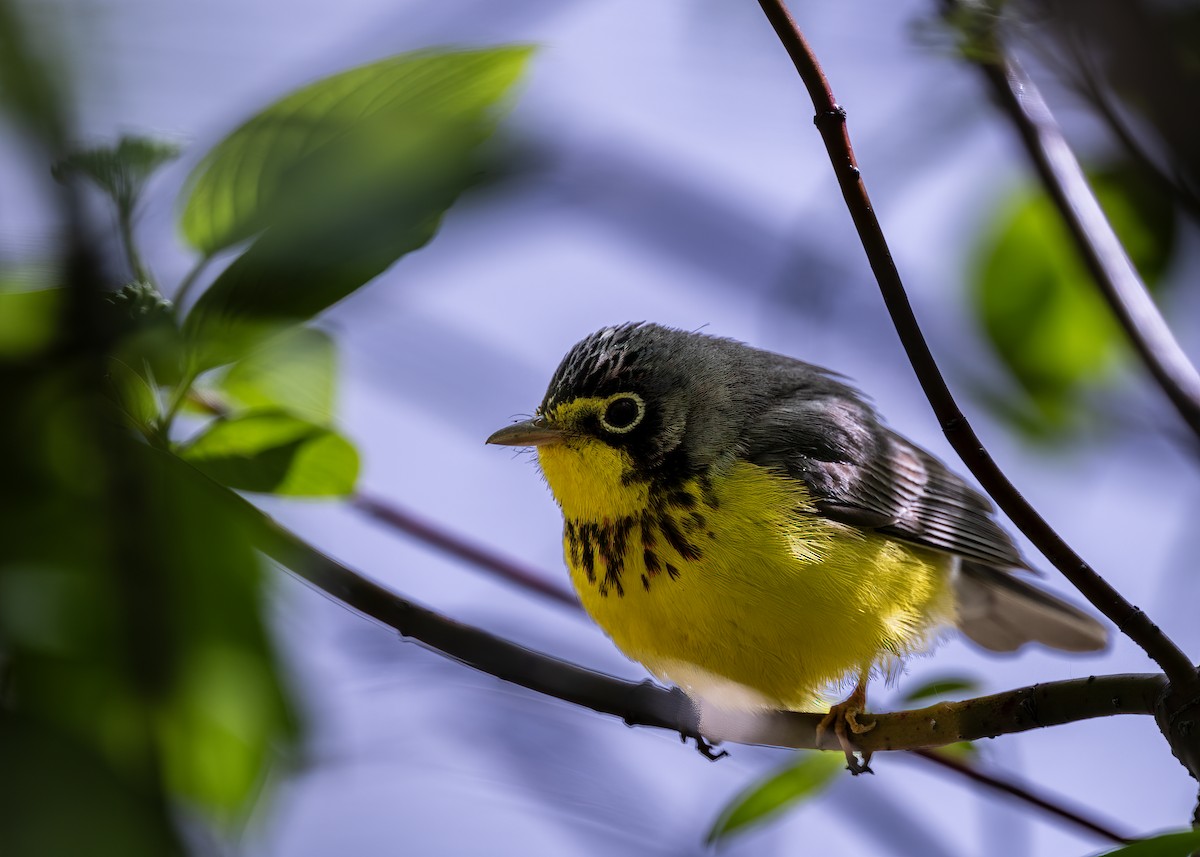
(843, 717)
(703, 747)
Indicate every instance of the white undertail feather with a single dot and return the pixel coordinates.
(1001, 612)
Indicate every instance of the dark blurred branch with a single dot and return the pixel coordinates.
(1174, 187)
(484, 557)
(1021, 792)
(831, 122)
(189, 282)
(1098, 244)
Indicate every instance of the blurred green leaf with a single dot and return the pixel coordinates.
(120, 171)
(337, 181)
(30, 85)
(803, 779)
(131, 606)
(943, 686)
(28, 320)
(226, 715)
(275, 452)
(1183, 843)
(961, 751)
(149, 341)
(294, 372)
(1039, 307)
(134, 395)
(59, 797)
(246, 182)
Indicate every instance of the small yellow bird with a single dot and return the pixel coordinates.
(745, 526)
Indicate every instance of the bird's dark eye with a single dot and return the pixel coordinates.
(623, 413)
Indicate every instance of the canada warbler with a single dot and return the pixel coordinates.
(745, 526)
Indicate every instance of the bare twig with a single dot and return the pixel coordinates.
(1098, 245)
(831, 121)
(1021, 792)
(452, 543)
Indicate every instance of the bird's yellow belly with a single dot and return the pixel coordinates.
(738, 596)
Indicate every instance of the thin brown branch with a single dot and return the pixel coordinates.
(1021, 792)
(1097, 243)
(831, 121)
(478, 555)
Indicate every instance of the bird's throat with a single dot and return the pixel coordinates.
(592, 481)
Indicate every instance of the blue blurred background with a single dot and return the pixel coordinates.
(666, 169)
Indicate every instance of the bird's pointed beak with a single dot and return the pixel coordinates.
(534, 432)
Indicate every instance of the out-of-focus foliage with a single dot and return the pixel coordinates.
(1183, 843)
(30, 91)
(27, 319)
(294, 372)
(138, 687)
(802, 779)
(337, 181)
(1137, 66)
(942, 686)
(1039, 307)
(129, 612)
(275, 452)
(122, 170)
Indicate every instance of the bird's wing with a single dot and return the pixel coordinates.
(861, 473)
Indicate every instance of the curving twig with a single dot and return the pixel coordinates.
(1021, 792)
(478, 555)
(1097, 243)
(831, 122)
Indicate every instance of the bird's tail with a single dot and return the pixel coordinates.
(1001, 612)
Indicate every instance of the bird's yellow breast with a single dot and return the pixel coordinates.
(726, 586)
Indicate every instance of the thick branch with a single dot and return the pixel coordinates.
(831, 121)
(483, 558)
(1098, 245)
(643, 704)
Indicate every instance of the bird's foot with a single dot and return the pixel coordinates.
(703, 747)
(844, 718)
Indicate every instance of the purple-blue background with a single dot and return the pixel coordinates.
(674, 175)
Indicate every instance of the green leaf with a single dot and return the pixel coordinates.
(389, 111)
(1179, 844)
(1039, 306)
(961, 751)
(28, 320)
(32, 89)
(120, 171)
(131, 615)
(943, 686)
(294, 372)
(133, 394)
(338, 181)
(277, 453)
(49, 778)
(803, 779)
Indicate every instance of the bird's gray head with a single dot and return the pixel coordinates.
(675, 401)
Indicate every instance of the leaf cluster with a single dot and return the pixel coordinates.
(139, 690)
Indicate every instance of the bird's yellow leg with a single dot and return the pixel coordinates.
(843, 717)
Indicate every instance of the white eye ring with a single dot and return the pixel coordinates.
(633, 423)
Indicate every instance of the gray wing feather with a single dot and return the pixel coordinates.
(861, 473)
(820, 431)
